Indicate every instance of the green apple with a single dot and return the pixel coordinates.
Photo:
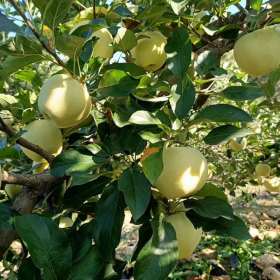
(184, 173)
(262, 170)
(64, 100)
(149, 52)
(257, 53)
(45, 134)
(103, 47)
(187, 236)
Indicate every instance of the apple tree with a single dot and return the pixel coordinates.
(115, 109)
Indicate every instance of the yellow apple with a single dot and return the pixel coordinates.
(86, 16)
(149, 52)
(262, 170)
(64, 100)
(103, 47)
(236, 145)
(12, 190)
(184, 173)
(272, 184)
(257, 53)
(187, 236)
(65, 222)
(45, 134)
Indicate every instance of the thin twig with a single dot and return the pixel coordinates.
(24, 143)
(36, 34)
(94, 10)
(248, 4)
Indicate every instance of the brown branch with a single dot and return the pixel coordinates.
(24, 143)
(94, 10)
(36, 34)
(35, 187)
(248, 4)
(32, 181)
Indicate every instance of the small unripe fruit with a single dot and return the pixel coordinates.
(46, 135)
(149, 52)
(65, 222)
(12, 190)
(237, 146)
(257, 53)
(187, 236)
(184, 172)
(103, 47)
(64, 100)
(263, 170)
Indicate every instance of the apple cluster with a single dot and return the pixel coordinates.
(184, 173)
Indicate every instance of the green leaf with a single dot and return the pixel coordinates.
(75, 196)
(6, 222)
(71, 162)
(7, 25)
(256, 4)
(9, 153)
(179, 49)
(152, 166)
(222, 134)
(29, 76)
(116, 83)
(136, 190)
(91, 266)
(143, 118)
(211, 190)
(125, 40)
(109, 221)
(13, 63)
(159, 256)
(69, 45)
(27, 271)
(145, 233)
(241, 93)
(234, 227)
(223, 113)
(130, 68)
(53, 11)
(182, 98)
(210, 207)
(27, 45)
(48, 246)
(178, 6)
(207, 62)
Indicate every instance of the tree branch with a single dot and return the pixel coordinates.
(248, 4)
(32, 181)
(24, 143)
(94, 10)
(36, 34)
(35, 187)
